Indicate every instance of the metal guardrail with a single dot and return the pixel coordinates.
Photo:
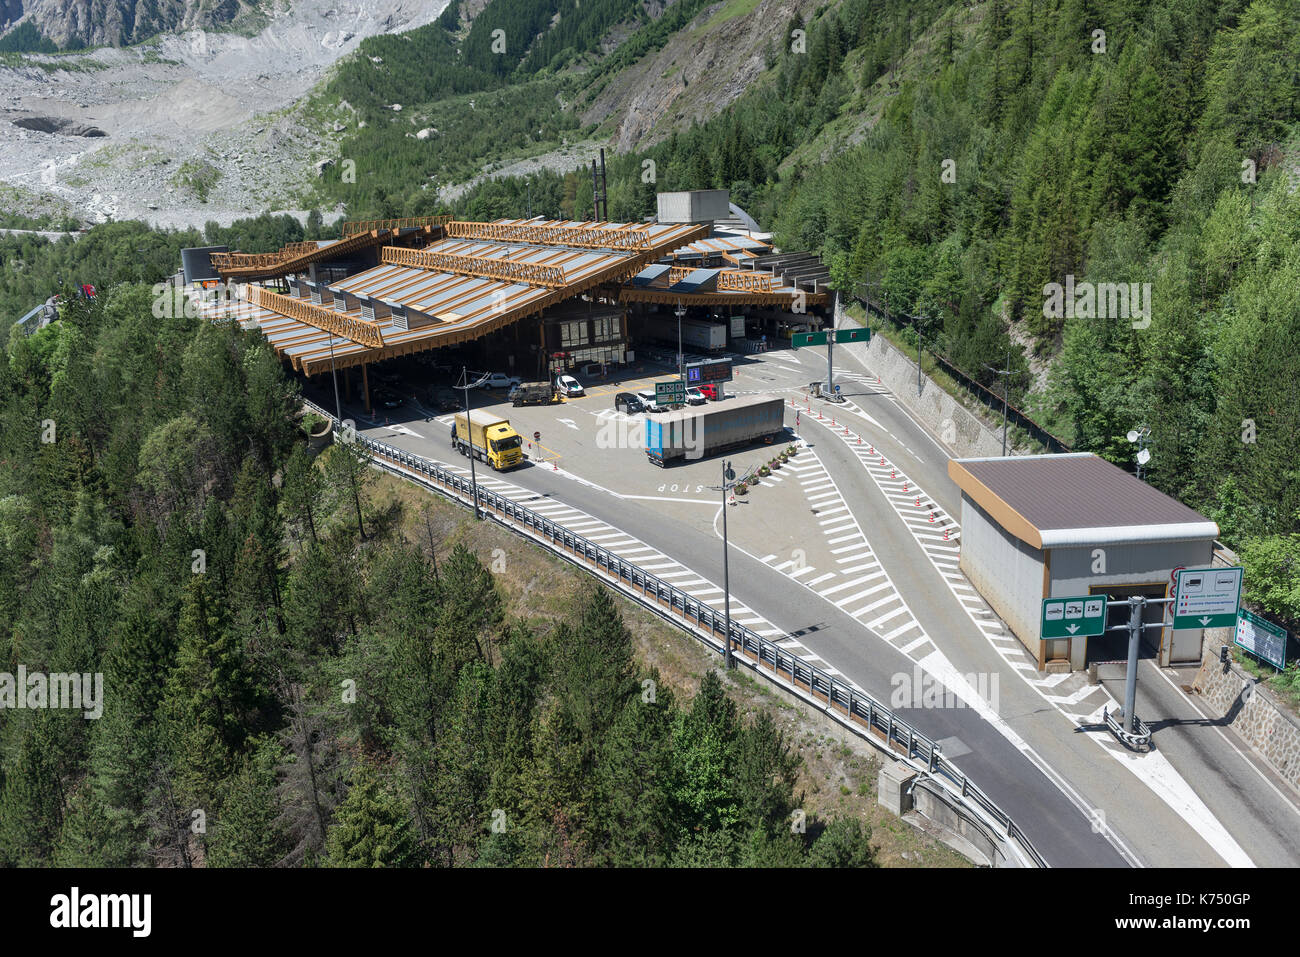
(848, 706)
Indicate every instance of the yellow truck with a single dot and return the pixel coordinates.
(492, 437)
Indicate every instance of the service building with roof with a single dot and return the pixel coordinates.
(533, 296)
(1053, 526)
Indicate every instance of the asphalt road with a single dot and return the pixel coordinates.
(1055, 781)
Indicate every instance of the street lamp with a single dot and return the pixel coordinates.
(728, 482)
(681, 374)
(465, 385)
(1139, 437)
(1004, 373)
(338, 409)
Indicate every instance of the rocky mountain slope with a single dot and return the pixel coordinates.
(188, 127)
(82, 23)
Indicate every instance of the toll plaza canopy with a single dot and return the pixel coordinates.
(474, 278)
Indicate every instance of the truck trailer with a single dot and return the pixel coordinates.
(494, 440)
(707, 430)
(697, 334)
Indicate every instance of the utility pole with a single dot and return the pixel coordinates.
(1139, 436)
(1004, 373)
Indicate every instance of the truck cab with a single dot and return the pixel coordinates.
(489, 437)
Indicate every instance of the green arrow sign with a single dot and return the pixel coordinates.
(808, 339)
(858, 334)
(1207, 597)
(1081, 617)
(1262, 638)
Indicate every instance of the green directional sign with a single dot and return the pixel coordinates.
(1206, 597)
(672, 392)
(1080, 617)
(858, 334)
(1262, 638)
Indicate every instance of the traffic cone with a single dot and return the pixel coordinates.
(932, 518)
(554, 467)
(945, 534)
(893, 473)
(904, 486)
(859, 440)
(918, 501)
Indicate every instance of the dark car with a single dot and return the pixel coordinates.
(628, 402)
(389, 399)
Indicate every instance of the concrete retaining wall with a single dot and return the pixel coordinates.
(963, 434)
(1254, 714)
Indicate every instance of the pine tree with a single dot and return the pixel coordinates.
(372, 827)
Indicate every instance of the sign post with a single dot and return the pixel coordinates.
(1207, 597)
(827, 338)
(1261, 638)
(710, 372)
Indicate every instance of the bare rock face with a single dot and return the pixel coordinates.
(118, 22)
(56, 124)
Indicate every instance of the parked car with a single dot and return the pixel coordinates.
(709, 391)
(567, 385)
(593, 370)
(649, 401)
(628, 402)
(389, 399)
(695, 397)
(499, 380)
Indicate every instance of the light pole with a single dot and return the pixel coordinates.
(728, 477)
(830, 345)
(1004, 373)
(465, 385)
(338, 409)
(681, 373)
(917, 322)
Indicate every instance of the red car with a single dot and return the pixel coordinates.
(710, 392)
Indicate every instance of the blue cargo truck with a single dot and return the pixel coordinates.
(697, 433)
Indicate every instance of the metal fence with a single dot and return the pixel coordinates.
(848, 706)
